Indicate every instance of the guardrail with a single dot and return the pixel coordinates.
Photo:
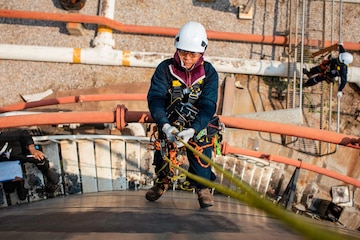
(95, 163)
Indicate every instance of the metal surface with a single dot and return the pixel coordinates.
(128, 215)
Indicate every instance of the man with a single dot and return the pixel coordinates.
(19, 145)
(182, 101)
(329, 69)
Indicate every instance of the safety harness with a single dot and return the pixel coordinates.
(327, 67)
(181, 113)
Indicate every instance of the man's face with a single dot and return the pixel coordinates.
(189, 58)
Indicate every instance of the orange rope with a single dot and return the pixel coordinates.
(200, 149)
(173, 150)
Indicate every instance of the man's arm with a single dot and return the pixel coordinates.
(207, 101)
(157, 95)
(343, 78)
(28, 143)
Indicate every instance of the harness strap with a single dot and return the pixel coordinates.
(195, 91)
(178, 91)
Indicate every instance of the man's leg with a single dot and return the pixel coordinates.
(50, 176)
(312, 72)
(315, 70)
(162, 181)
(306, 72)
(313, 81)
(18, 185)
(202, 169)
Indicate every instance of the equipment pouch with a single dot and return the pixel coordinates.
(215, 127)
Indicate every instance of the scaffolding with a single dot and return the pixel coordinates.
(316, 102)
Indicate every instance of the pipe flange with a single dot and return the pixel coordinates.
(120, 117)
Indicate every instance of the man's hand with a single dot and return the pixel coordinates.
(37, 154)
(185, 136)
(170, 132)
(339, 94)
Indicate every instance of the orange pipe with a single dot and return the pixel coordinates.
(226, 149)
(140, 117)
(56, 118)
(121, 116)
(291, 130)
(74, 99)
(100, 20)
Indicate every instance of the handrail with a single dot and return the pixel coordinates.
(163, 31)
(227, 149)
(291, 130)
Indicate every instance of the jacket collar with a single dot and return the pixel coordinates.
(187, 76)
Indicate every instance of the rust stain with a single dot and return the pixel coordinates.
(104, 7)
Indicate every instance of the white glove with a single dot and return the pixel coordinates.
(339, 94)
(170, 132)
(185, 136)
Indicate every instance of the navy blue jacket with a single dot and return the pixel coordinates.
(159, 97)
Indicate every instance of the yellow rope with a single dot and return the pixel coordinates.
(252, 198)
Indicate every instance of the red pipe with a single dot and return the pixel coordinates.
(100, 20)
(291, 130)
(74, 99)
(226, 149)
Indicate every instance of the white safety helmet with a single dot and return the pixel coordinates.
(345, 58)
(192, 37)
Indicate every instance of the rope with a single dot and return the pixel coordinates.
(252, 198)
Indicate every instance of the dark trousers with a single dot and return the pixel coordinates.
(317, 79)
(317, 75)
(42, 165)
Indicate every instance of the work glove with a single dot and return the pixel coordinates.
(170, 132)
(339, 94)
(185, 136)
